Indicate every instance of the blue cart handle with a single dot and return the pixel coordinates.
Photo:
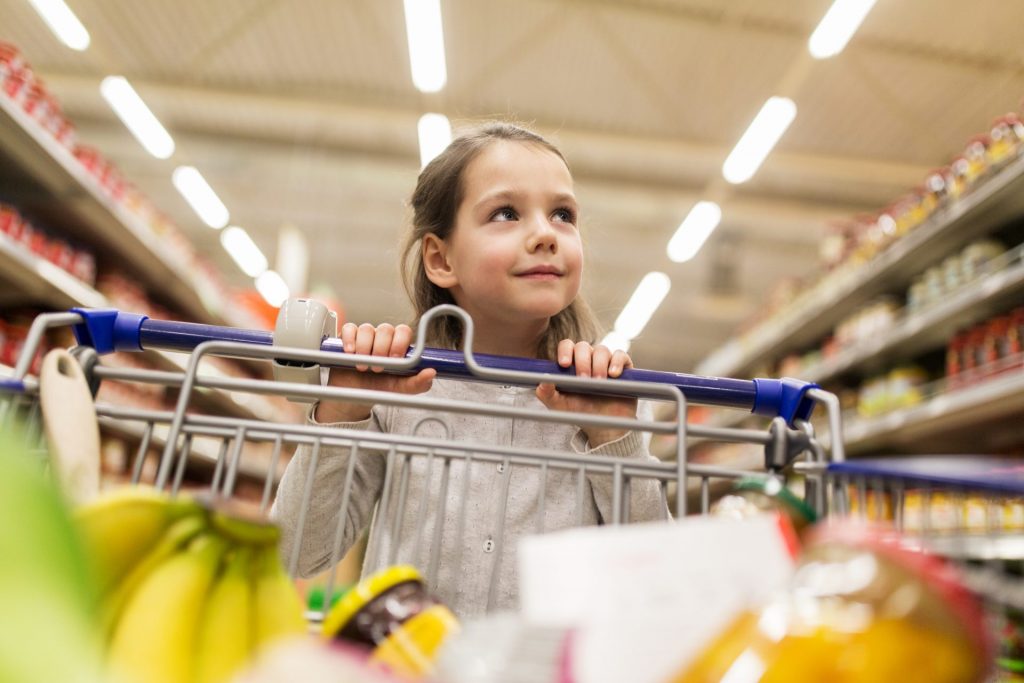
(109, 330)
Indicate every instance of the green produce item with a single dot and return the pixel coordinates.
(47, 591)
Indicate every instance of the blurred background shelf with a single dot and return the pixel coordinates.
(932, 327)
(988, 206)
(50, 181)
(981, 417)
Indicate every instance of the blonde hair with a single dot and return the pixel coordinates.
(435, 203)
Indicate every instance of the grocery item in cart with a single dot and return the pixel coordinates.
(69, 419)
(861, 607)
(393, 614)
(756, 496)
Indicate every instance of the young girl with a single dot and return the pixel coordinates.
(494, 231)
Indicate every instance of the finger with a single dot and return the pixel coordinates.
(364, 341)
(382, 343)
(600, 359)
(547, 394)
(401, 341)
(582, 353)
(565, 352)
(348, 337)
(620, 361)
(421, 381)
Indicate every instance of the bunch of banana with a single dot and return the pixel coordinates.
(191, 590)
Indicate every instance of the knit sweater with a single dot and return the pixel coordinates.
(477, 549)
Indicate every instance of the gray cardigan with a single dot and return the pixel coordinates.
(472, 552)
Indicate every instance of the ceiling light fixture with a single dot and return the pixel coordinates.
(694, 231)
(616, 341)
(136, 116)
(423, 29)
(435, 134)
(200, 196)
(641, 306)
(836, 28)
(63, 22)
(272, 288)
(243, 251)
(759, 139)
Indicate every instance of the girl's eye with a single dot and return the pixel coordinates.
(565, 216)
(505, 213)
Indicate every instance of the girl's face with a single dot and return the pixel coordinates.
(515, 254)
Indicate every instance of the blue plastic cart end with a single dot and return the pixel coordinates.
(12, 386)
(786, 398)
(107, 329)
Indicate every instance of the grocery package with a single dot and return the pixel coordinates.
(392, 614)
(900, 388)
(190, 590)
(22, 233)
(754, 496)
(860, 607)
(989, 348)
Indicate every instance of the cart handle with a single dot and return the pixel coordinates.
(107, 330)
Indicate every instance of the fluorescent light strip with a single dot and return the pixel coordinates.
(836, 28)
(435, 134)
(759, 139)
(616, 341)
(63, 22)
(200, 196)
(243, 251)
(423, 29)
(641, 306)
(272, 288)
(136, 116)
(694, 231)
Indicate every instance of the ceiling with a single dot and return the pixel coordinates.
(304, 113)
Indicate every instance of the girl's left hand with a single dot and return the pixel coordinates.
(591, 361)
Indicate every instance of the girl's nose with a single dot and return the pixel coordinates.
(542, 236)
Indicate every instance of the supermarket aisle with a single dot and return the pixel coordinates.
(827, 192)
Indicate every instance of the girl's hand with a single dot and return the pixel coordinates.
(383, 340)
(591, 361)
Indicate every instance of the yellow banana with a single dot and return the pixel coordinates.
(121, 526)
(225, 633)
(155, 639)
(278, 608)
(177, 536)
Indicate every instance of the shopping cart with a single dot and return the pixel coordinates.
(968, 509)
(172, 437)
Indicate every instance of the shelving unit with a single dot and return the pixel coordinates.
(932, 327)
(990, 203)
(55, 187)
(996, 398)
(46, 283)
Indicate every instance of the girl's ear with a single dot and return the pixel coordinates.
(435, 261)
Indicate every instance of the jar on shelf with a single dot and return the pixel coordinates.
(977, 255)
(861, 607)
(976, 155)
(904, 386)
(392, 614)
(935, 191)
(1005, 137)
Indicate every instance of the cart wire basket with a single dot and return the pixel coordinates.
(437, 510)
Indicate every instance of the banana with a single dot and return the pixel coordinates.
(278, 608)
(178, 536)
(156, 636)
(121, 526)
(225, 633)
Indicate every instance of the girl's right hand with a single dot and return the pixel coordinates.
(383, 340)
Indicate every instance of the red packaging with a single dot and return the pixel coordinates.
(37, 102)
(955, 360)
(10, 220)
(3, 344)
(973, 353)
(60, 254)
(83, 267)
(14, 84)
(10, 60)
(37, 242)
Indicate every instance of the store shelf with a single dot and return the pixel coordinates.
(945, 414)
(41, 280)
(55, 187)
(933, 327)
(989, 205)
